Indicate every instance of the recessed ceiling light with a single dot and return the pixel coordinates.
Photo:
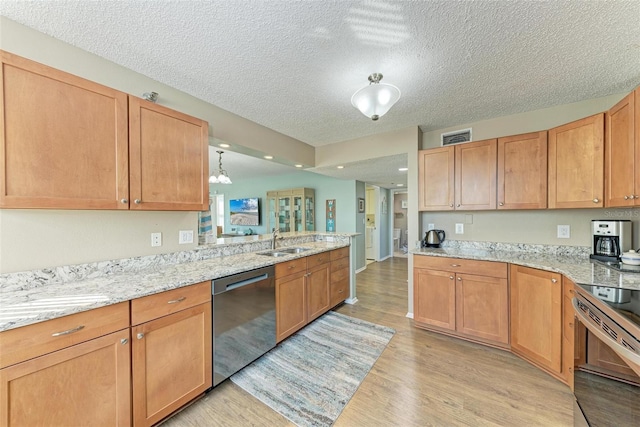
(224, 145)
(298, 166)
(399, 185)
(268, 157)
(340, 167)
(403, 169)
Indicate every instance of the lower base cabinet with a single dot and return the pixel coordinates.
(450, 299)
(87, 384)
(171, 354)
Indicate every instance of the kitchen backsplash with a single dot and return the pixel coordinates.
(562, 250)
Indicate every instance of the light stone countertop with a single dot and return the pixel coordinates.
(21, 306)
(578, 268)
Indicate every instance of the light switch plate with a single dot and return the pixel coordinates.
(564, 231)
(185, 236)
(459, 228)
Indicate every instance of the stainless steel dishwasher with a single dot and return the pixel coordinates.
(244, 320)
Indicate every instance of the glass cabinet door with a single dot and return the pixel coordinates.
(273, 214)
(308, 207)
(297, 213)
(284, 214)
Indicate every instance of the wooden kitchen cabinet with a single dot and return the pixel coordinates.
(568, 332)
(171, 354)
(522, 171)
(464, 297)
(73, 370)
(576, 164)
(302, 292)
(622, 152)
(459, 177)
(81, 145)
(340, 276)
(536, 317)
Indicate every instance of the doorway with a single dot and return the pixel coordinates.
(372, 218)
(400, 242)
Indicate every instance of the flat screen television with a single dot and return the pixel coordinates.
(244, 211)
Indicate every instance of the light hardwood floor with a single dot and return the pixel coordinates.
(421, 379)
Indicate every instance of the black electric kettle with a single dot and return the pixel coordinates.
(433, 238)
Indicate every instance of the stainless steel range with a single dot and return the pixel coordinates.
(607, 375)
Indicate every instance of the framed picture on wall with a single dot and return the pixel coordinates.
(404, 204)
(360, 205)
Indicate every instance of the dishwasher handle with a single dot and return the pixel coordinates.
(236, 281)
(246, 282)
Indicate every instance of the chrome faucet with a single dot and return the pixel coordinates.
(275, 235)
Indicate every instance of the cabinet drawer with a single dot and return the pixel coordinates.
(340, 253)
(35, 340)
(339, 275)
(339, 291)
(158, 305)
(460, 265)
(319, 259)
(339, 264)
(291, 267)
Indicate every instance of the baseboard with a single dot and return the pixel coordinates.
(361, 269)
(409, 315)
(351, 301)
(387, 257)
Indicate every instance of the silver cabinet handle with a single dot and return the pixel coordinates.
(627, 197)
(635, 196)
(460, 279)
(140, 335)
(596, 200)
(67, 332)
(554, 280)
(137, 201)
(123, 341)
(501, 204)
(125, 201)
(451, 205)
(451, 277)
(173, 301)
(455, 265)
(458, 205)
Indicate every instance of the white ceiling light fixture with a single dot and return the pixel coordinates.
(375, 100)
(220, 176)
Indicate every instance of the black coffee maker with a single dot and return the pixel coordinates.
(610, 239)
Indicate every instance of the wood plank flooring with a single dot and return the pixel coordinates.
(421, 379)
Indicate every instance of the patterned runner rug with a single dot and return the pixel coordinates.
(311, 376)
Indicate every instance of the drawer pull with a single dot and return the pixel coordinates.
(460, 279)
(124, 341)
(140, 335)
(70, 331)
(291, 266)
(554, 280)
(451, 277)
(455, 265)
(340, 291)
(173, 301)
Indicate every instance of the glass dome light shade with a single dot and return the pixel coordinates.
(375, 100)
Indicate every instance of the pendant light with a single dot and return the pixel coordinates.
(375, 100)
(220, 176)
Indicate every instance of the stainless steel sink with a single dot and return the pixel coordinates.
(293, 250)
(275, 253)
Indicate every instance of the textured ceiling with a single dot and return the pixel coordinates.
(382, 171)
(293, 65)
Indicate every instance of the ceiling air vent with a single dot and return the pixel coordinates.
(456, 137)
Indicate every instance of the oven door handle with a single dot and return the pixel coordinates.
(632, 359)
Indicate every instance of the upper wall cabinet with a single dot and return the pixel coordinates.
(65, 145)
(622, 152)
(458, 177)
(576, 163)
(522, 171)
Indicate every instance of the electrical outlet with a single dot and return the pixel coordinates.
(156, 239)
(431, 227)
(564, 231)
(185, 236)
(459, 228)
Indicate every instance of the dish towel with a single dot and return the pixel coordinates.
(205, 227)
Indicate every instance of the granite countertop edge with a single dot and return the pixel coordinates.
(32, 305)
(581, 270)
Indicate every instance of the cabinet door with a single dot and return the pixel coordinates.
(64, 140)
(171, 363)
(318, 291)
(536, 316)
(568, 331)
(475, 182)
(522, 171)
(87, 384)
(436, 179)
(434, 298)
(482, 307)
(620, 153)
(291, 306)
(169, 156)
(576, 164)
